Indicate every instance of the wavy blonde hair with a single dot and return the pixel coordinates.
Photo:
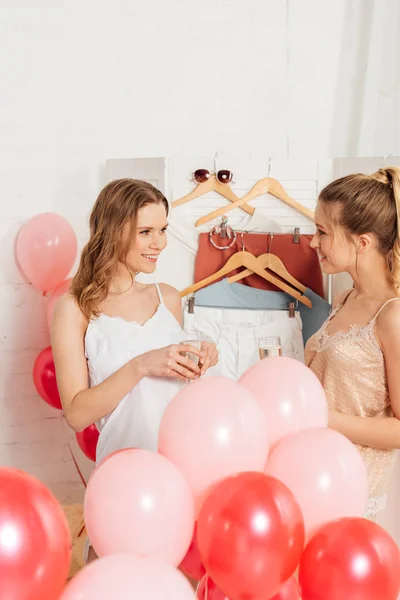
(118, 204)
(370, 204)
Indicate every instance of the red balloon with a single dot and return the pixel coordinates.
(207, 590)
(289, 591)
(250, 535)
(44, 377)
(35, 542)
(192, 564)
(87, 440)
(350, 558)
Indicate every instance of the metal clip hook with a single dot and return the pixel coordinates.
(224, 229)
(269, 166)
(215, 162)
(191, 302)
(270, 238)
(296, 235)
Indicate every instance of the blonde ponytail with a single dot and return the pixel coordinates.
(393, 176)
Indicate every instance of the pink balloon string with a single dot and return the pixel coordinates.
(77, 466)
(77, 469)
(81, 530)
(205, 588)
(73, 456)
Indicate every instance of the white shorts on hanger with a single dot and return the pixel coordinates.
(236, 333)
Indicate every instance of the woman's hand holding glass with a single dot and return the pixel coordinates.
(177, 361)
(209, 349)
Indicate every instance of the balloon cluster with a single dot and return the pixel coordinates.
(250, 493)
(46, 250)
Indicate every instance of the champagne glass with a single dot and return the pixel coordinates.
(191, 339)
(269, 346)
(196, 343)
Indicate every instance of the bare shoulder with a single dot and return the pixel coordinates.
(67, 305)
(170, 293)
(388, 320)
(172, 299)
(341, 297)
(388, 330)
(67, 313)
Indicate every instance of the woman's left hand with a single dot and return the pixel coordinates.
(210, 358)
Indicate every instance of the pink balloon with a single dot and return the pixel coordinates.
(291, 396)
(211, 429)
(59, 291)
(325, 472)
(46, 250)
(137, 502)
(123, 577)
(103, 460)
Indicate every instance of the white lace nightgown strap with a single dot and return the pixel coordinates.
(110, 343)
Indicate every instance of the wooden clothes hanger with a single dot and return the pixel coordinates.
(274, 263)
(213, 185)
(264, 186)
(248, 260)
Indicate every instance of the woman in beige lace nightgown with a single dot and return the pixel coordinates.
(356, 353)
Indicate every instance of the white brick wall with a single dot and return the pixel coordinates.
(86, 81)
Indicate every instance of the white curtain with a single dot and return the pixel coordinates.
(366, 116)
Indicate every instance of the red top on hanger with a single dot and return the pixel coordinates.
(299, 258)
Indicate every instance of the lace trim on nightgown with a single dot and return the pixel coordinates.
(354, 332)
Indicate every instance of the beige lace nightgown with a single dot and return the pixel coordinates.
(351, 368)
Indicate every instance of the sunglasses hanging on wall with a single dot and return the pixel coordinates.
(218, 181)
(203, 175)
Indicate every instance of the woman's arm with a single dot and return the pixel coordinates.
(367, 431)
(83, 405)
(371, 431)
